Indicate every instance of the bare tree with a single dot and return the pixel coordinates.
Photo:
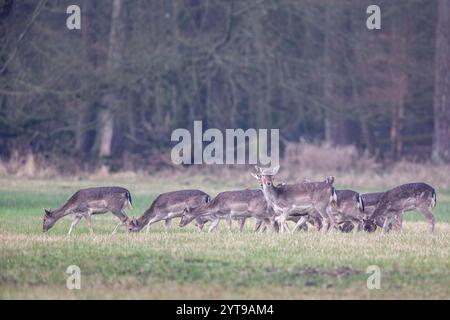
(112, 99)
(337, 88)
(441, 139)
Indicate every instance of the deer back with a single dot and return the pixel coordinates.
(175, 201)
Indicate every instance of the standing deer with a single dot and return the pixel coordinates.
(412, 196)
(168, 206)
(231, 205)
(306, 197)
(87, 202)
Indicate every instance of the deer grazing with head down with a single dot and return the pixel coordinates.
(87, 202)
(393, 203)
(348, 212)
(371, 201)
(231, 205)
(289, 199)
(168, 206)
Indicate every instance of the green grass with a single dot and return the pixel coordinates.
(188, 264)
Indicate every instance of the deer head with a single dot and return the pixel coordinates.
(49, 220)
(133, 225)
(265, 176)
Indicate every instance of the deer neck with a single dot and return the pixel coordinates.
(61, 212)
(271, 194)
(145, 218)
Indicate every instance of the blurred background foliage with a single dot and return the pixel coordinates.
(112, 92)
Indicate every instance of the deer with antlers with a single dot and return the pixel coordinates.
(305, 198)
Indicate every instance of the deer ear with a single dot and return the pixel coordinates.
(258, 169)
(330, 180)
(47, 212)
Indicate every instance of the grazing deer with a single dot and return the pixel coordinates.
(348, 211)
(412, 196)
(168, 206)
(371, 201)
(87, 202)
(289, 199)
(230, 205)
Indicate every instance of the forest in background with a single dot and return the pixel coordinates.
(112, 92)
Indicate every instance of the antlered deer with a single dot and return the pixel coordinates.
(231, 205)
(412, 196)
(288, 199)
(87, 202)
(168, 206)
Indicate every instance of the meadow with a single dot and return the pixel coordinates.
(186, 264)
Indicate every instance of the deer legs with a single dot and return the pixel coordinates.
(428, 214)
(213, 225)
(229, 222)
(74, 223)
(241, 224)
(123, 220)
(152, 221)
(78, 216)
(89, 223)
(167, 224)
(300, 223)
(117, 227)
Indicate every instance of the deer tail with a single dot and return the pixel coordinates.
(333, 197)
(360, 201)
(128, 196)
(433, 199)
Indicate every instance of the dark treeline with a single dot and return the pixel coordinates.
(139, 69)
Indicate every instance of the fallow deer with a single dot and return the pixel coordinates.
(231, 205)
(348, 212)
(87, 202)
(168, 206)
(412, 196)
(371, 201)
(290, 199)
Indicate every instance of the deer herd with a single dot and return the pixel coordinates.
(317, 204)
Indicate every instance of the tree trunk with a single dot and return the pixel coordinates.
(337, 88)
(399, 78)
(111, 100)
(441, 138)
(82, 105)
(107, 130)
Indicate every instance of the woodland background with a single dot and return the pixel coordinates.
(111, 93)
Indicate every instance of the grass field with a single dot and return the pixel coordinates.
(187, 264)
